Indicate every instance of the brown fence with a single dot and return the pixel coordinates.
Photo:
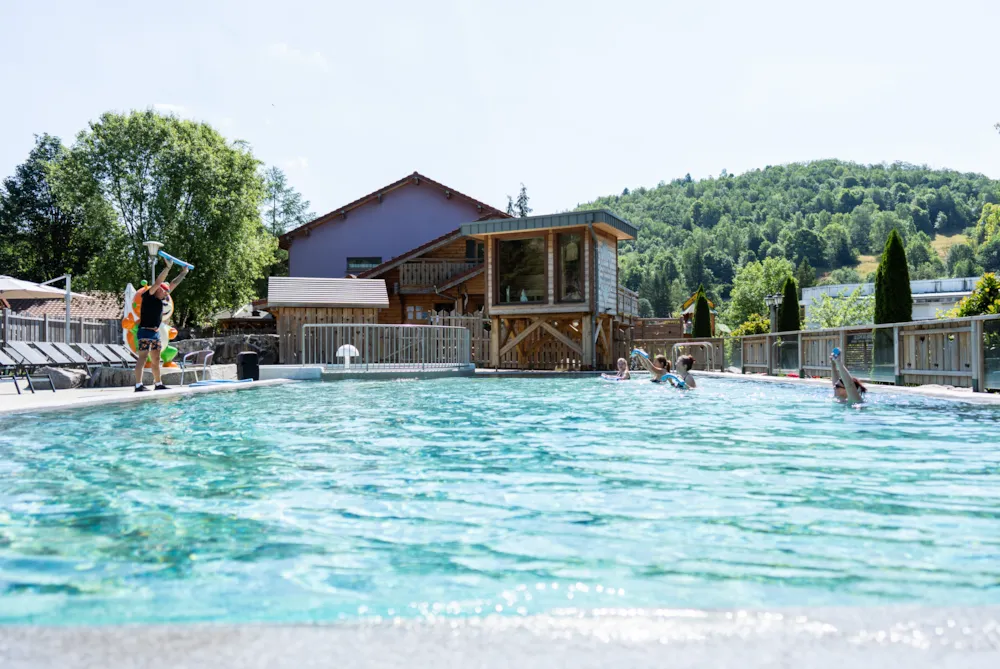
(33, 328)
(961, 352)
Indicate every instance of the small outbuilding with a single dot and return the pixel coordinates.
(297, 301)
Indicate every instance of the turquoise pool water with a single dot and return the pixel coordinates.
(515, 496)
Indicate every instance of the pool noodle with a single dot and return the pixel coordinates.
(167, 256)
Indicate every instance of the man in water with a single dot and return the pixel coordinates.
(150, 317)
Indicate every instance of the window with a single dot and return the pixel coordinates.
(474, 250)
(416, 312)
(444, 306)
(570, 267)
(355, 265)
(521, 270)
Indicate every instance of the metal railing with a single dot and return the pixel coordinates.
(962, 352)
(33, 328)
(628, 301)
(385, 347)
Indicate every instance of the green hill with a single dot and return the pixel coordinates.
(825, 217)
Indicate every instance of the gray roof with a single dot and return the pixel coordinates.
(294, 291)
(570, 219)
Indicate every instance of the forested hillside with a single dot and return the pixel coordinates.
(821, 216)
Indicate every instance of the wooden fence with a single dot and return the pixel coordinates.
(475, 323)
(961, 352)
(33, 328)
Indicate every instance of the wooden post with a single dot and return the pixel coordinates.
(976, 341)
(897, 377)
(494, 342)
(802, 370)
(587, 337)
(767, 353)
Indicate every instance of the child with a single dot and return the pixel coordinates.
(623, 373)
(656, 371)
(685, 364)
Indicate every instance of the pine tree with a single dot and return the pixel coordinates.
(805, 276)
(510, 206)
(788, 313)
(522, 203)
(702, 316)
(893, 301)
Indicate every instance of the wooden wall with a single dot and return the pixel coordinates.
(290, 320)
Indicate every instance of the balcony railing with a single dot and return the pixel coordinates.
(628, 302)
(430, 272)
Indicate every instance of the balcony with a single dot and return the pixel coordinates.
(425, 273)
(628, 302)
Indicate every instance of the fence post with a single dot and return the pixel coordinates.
(897, 377)
(802, 369)
(45, 328)
(767, 353)
(6, 324)
(976, 340)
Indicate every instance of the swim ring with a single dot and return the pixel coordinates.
(130, 325)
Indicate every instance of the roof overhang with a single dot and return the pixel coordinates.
(600, 219)
(310, 292)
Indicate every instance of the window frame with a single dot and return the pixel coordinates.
(546, 255)
(350, 270)
(557, 265)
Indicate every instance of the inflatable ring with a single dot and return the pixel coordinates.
(130, 326)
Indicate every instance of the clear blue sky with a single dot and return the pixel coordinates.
(574, 98)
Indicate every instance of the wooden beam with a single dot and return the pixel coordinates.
(521, 336)
(494, 342)
(604, 336)
(587, 354)
(566, 341)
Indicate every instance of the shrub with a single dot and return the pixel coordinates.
(788, 314)
(893, 301)
(702, 316)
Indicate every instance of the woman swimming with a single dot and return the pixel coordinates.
(684, 365)
(851, 391)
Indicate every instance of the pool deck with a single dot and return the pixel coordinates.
(861, 638)
(46, 400)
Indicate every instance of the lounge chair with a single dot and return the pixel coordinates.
(114, 355)
(192, 360)
(74, 356)
(8, 370)
(29, 360)
(89, 351)
(124, 352)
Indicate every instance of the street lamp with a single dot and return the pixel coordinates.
(152, 248)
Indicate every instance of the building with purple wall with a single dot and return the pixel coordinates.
(379, 226)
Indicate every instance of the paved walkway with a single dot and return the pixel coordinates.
(46, 400)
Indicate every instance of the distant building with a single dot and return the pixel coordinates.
(929, 296)
(382, 225)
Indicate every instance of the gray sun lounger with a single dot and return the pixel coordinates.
(74, 356)
(95, 355)
(110, 352)
(8, 370)
(61, 357)
(124, 352)
(30, 360)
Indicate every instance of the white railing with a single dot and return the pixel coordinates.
(385, 347)
(32, 328)
(432, 272)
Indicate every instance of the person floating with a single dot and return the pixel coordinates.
(846, 388)
(684, 365)
(623, 373)
(150, 317)
(658, 368)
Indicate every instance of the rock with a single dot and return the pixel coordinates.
(114, 377)
(63, 378)
(228, 348)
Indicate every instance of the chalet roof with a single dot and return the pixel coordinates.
(435, 243)
(691, 300)
(287, 291)
(413, 179)
(101, 305)
(617, 226)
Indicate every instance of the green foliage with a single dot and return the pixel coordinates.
(645, 308)
(957, 254)
(841, 276)
(178, 182)
(780, 211)
(753, 282)
(985, 299)
(988, 226)
(282, 209)
(756, 324)
(788, 312)
(893, 302)
(702, 316)
(988, 255)
(842, 310)
(805, 276)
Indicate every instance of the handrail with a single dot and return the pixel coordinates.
(366, 347)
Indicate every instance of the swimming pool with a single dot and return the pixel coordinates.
(458, 497)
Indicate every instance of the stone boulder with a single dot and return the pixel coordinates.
(228, 348)
(63, 378)
(114, 377)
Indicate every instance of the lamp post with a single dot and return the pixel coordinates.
(69, 297)
(153, 248)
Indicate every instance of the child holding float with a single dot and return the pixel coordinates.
(660, 371)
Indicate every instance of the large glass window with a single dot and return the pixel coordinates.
(570, 267)
(521, 270)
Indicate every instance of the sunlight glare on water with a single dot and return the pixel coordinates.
(514, 496)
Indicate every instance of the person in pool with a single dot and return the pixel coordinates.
(657, 367)
(623, 373)
(851, 391)
(684, 365)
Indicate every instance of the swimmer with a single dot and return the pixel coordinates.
(684, 365)
(851, 392)
(657, 368)
(623, 373)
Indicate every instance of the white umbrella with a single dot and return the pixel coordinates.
(18, 289)
(347, 351)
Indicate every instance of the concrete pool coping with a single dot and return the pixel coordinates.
(75, 398)
(883, 637)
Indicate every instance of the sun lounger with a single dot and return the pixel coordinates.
(74, 356)
(112, 355)
(30, 360)
(95, 355)
(61, 358)
(124, 352)
(8, 370)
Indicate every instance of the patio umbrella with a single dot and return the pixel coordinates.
(18, 289)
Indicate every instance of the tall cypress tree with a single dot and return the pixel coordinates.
(893, 301)
(788, 313)
(702, 316)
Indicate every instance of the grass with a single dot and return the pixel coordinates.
(867, 264)
(942, 243)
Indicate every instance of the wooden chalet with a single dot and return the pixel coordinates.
(551, 290)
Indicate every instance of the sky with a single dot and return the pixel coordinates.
(575, 99)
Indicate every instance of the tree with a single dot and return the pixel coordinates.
(837, 245)
(805, 276)
(752, 283)
(956, 254)
(39, 239)
(788, 313)
(893, 302)
(805, 245)
(702, 316)
(756, 324)
(510, 206)
(656, 290)
(984, 299)
(521, 206)
(841, 276)
(178, 182)
(988, 255)
(988, 225)
(283, 207)
(843, 310)
(645, 308)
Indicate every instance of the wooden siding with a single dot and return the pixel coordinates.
(290, 320)
(607, 274)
